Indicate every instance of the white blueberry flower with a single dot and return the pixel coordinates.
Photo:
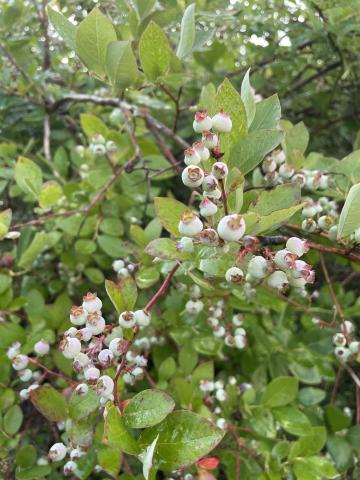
(127, 319)
(85, 334)
(91, 374)
(81, 390)
(192, 176)
(279, 156)
(299, 178)
(142, 318)
(286, 171)
(339, 339)
(25, 375)
(78, 315)
(141, 361)
(13, 350)
(194, 307)
(231, 227)
(220, 395)
(92, 303)
(297, 246)
(104, 386)
(238, 319)
(138, 372)
(213, 322)
(277, 280)
(117, 346)
(201, 150)
(98, 149)
(269, 165)
(221, 122)
(20, 362)
(325, 222)
(69, 468)
(309, 210)
(229, 341)
(209, 183)
(354, 347)
(207, 207)
(71, 332)
(240, 341)
(128, 378)
(221, 423)
(57, 452)
(210, 139)
(185, 244)
(333, 233)
(41, 347)
(342, 353)
(202, 122)
(118, 265)
(191, 157)
(207, 386)
(111, 147)
(347, 327)
(219, 170)
(190, 225)
(70, 347)
(213, 195)
(219, 331)
(309, 225)
(77, 453)
(95, 322)
(303, 270)
(24, 394)
(209, 236)
(284, 259)
(271, 179)
(234, 275)
(258, 267)
(232, 381)
(105, 357)
(98, 138)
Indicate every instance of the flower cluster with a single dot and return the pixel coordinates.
(275, 171)
(346, 348)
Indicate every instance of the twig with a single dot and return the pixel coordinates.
(51, 372)
(164, 148)
(162, 289)
(333, 295)
(336, 384)
(46, 137)
(45, 26)
(224, 197)
(352, 374)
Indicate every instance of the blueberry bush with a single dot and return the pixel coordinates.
(179, 259)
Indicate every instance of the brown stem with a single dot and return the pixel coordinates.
(336, 384)
(51, 372)
(224, 196)
(357, 393)
(162, 289)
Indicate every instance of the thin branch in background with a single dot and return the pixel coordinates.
(46, 137)
(163, 147)
(333, 295)
(45, 26)
(336, 384)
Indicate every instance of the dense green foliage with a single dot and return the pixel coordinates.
(248, 366)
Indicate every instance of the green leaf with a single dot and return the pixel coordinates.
(147, 459)
(40, 242)
(311, 396)
(353, 436)
(63, 26)
(13, 419)
(34, 473)
(121, 64)
(50, 194)
(340, 452)
(146, 277)
(349, 219)
(115, 432)
(271, 222)
(314, 468)
(26, 456)
(165, 248)
(110, 460)
(5, 221)
(295, 143)
(248, 98)
(184, 437)
(93, 36)
(123, 294)
(283, 196)
(92, 126)
(336, 418)
(28, 176)
(280, 392)
(292, 420)
(169, 211)
(154, 52)
(80, 406)
(247, 153)
(207, 345)
(167, 369)
(187, 33)
(310, 443)
(267, 115)
(228, 99)
(147, 408)
(50, 403)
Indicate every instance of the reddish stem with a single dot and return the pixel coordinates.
(224, 196)
(51, 372)
(162, 289)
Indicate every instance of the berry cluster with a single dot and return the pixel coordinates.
(346, 348)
